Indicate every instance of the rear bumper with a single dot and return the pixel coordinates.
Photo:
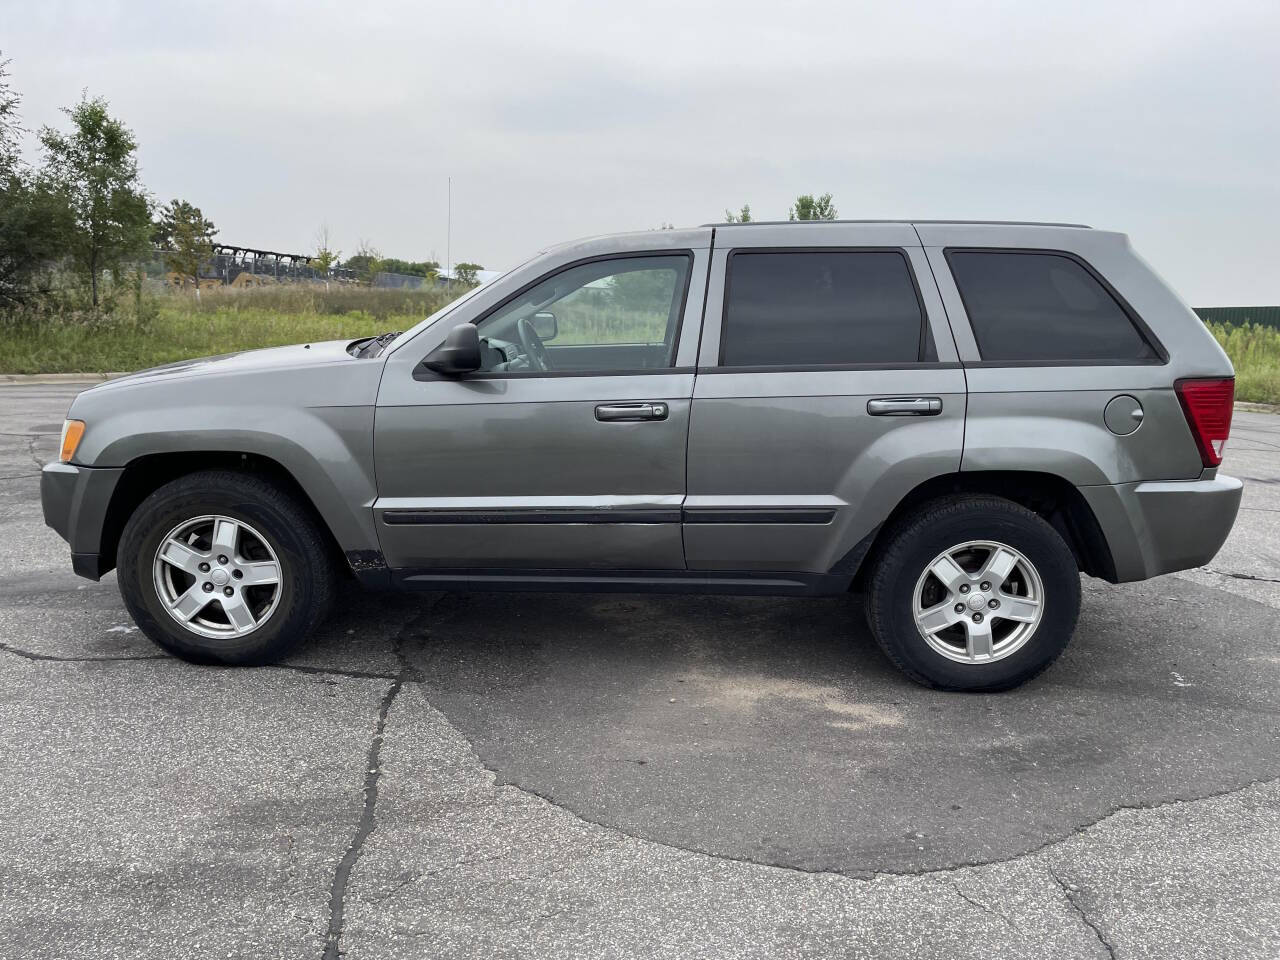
(1157, 527)
(75, 501)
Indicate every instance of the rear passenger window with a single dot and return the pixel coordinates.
(1042, 307)
(807, 308)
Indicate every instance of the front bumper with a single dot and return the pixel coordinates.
(75, 501)
(1157, 527)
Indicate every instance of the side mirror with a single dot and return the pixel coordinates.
(545, 326)
(460, 352)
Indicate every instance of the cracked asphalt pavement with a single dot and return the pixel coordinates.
(472, 775)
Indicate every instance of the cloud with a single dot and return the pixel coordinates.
(561, 119)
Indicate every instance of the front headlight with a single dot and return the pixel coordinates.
(72, 431)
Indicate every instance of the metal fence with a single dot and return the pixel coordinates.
(246, 267)
(240, 267)
(1267, 316)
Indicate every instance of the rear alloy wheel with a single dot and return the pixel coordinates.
(978, 601)
(973, 593)
(225, 567)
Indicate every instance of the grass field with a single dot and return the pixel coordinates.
(177, 327)
(174, 326)
(1255, 352)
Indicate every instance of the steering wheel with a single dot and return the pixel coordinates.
(532, 346)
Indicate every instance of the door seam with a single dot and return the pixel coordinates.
(946, 315)
(693, 389)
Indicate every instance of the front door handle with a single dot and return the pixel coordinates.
(631, 412)
(905, 406)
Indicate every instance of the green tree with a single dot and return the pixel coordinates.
(742, 216)
(363, 265)
(466, 273)
(642, 290)
(33, 224)
(95, 170)
(187, 238)
(32, 219)
(411, 268)
(808, 208)
(366, 262)
(325, 256)
(10, 122)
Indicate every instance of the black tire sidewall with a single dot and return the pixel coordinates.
(179, 502)
(894, 595)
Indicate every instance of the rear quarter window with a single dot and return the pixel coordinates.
(1043, 307)
(822, 308)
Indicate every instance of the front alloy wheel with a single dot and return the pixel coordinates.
(225, 567)
(217, 576)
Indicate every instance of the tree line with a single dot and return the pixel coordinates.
(367, 262)
(84, 210)
(806, 207)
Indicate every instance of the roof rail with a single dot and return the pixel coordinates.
(974, 223)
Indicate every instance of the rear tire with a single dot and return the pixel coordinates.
(219, 567)
(973, 593)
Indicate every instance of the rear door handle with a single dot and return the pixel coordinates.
(631, 412)
(905, 406)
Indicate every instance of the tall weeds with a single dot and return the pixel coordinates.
(148, 328)
(1254, 350)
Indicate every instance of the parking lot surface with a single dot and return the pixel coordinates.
(545, 775)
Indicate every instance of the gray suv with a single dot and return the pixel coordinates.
(954, 419)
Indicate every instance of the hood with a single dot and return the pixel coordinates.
(268, 358)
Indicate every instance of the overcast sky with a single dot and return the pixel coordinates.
(558, 120)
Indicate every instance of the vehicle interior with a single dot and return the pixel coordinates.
(615, 314)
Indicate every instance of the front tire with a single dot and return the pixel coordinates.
(219, 567)
(973, 593)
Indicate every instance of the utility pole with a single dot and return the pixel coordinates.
(448, 235)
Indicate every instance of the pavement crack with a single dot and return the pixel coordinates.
(1245, 576)
(368, 821)
(31, 452)
(1068, 892)
(53, 658)
(330, 671)
(413, 877)
(297, 668)
(984, 907)
(367, 824)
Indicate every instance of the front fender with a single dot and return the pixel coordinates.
(316, 422)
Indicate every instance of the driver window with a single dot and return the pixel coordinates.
(608, 315)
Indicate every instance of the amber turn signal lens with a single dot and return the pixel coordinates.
(72, 431)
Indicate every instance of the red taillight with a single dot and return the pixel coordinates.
(1207, 405)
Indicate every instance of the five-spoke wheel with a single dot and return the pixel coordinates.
(978, 601)
(973, 592)
(225, 567)
(217, 576)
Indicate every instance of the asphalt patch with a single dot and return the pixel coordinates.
(773, 731)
